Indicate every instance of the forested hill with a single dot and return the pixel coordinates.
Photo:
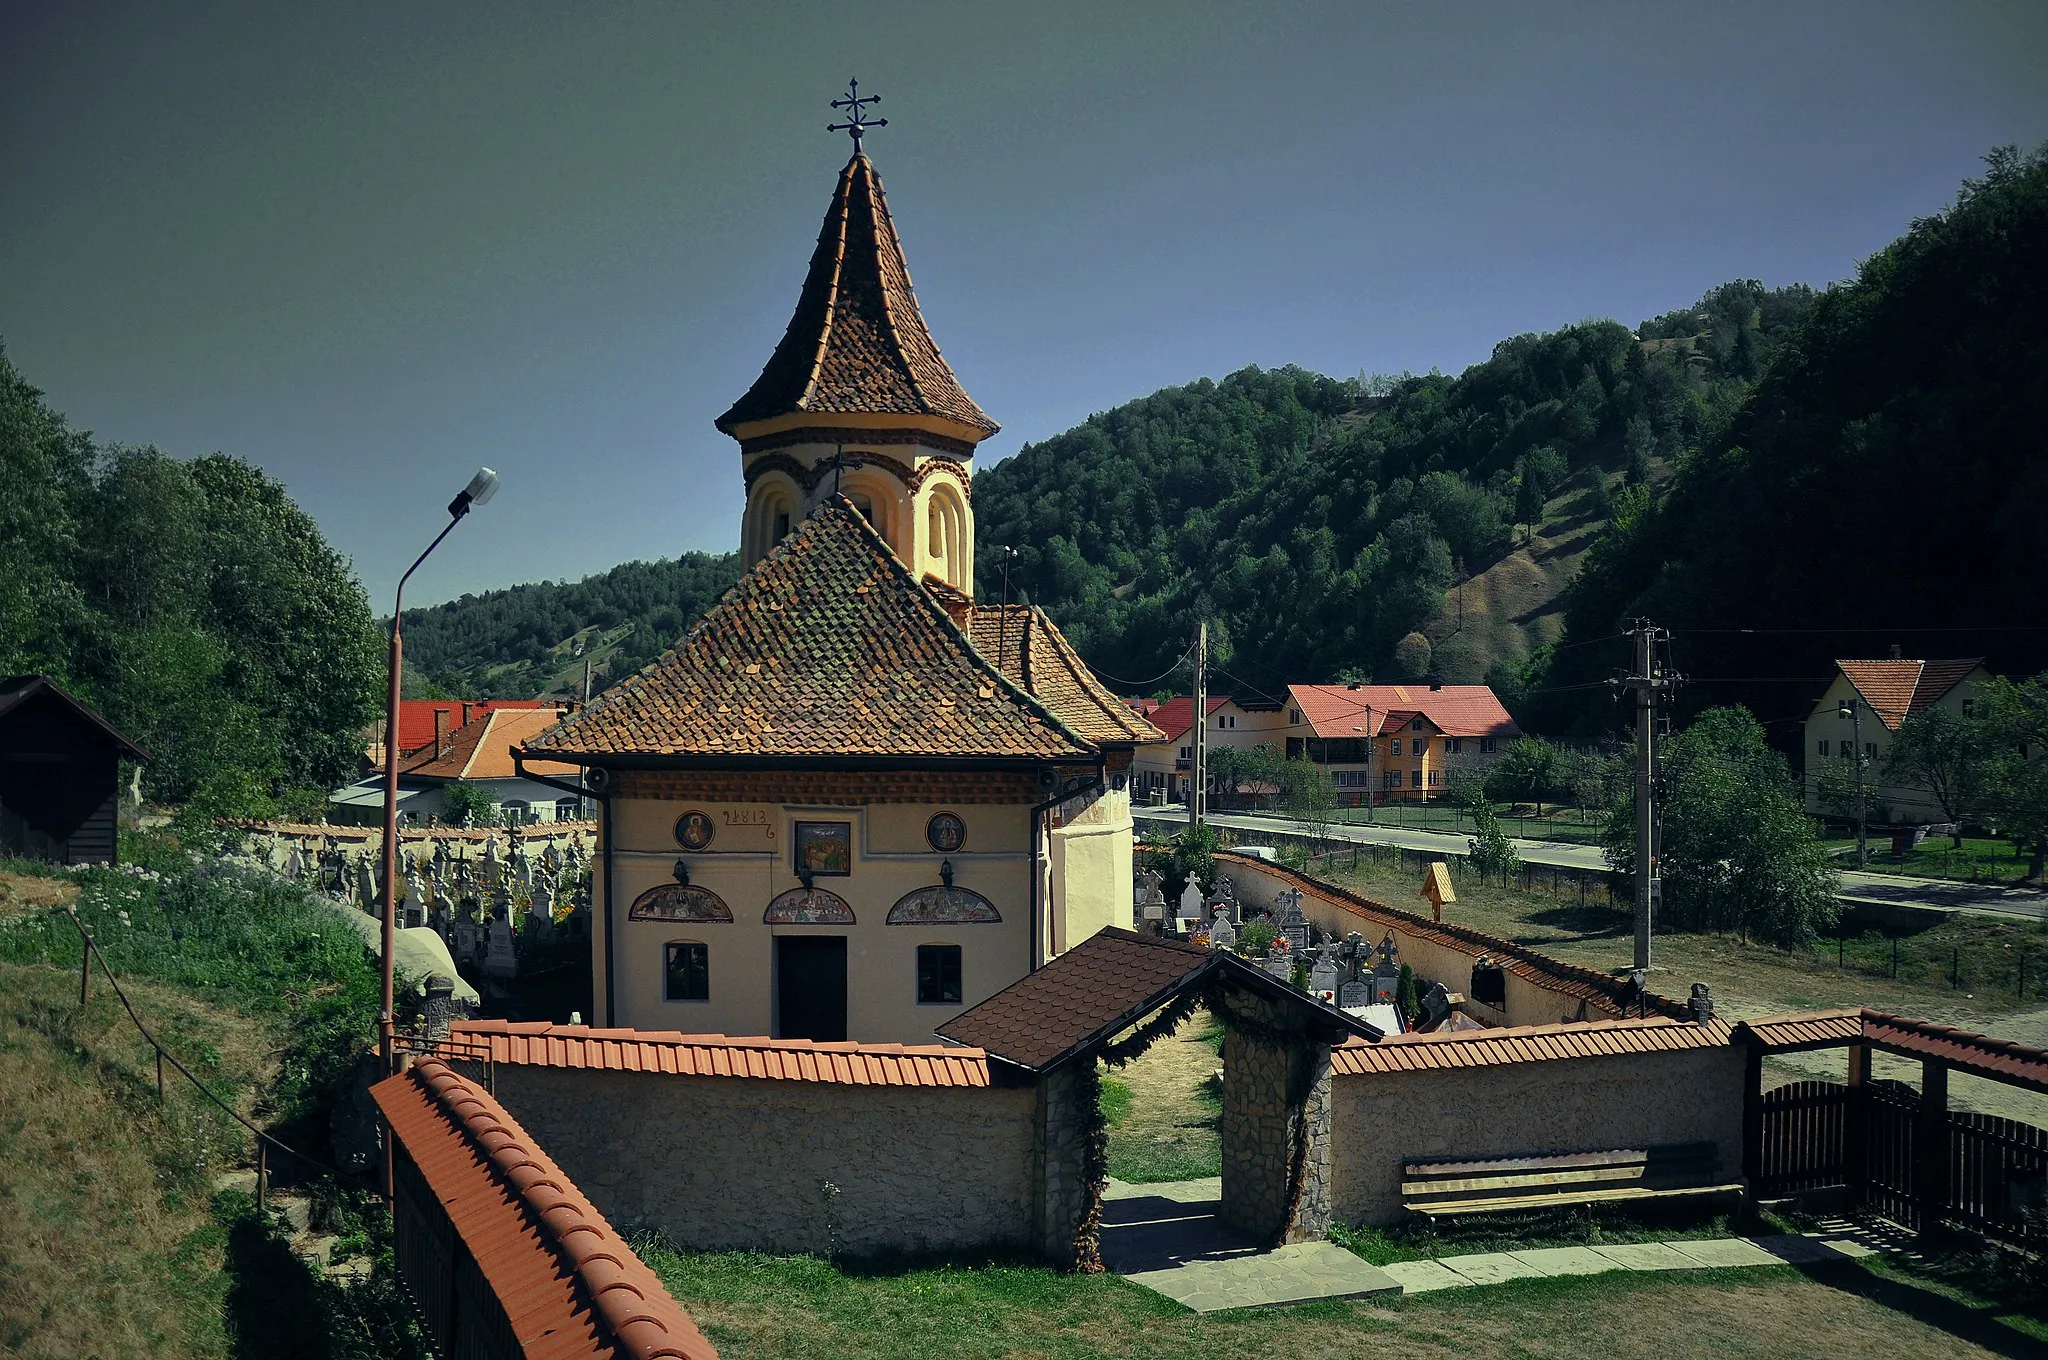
(1884, 484)
(531, 640)
(1318, 522)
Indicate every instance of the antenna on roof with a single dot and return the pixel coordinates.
(857, 122)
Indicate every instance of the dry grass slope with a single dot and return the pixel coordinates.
(107, 1247)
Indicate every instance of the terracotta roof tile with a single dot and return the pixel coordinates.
(567, 1282)
(1896, 690)
(857, 342)
(1175, 716)
(482, 748)
(828, 647)
(718, 1055)
(1531, 1043)
(1339, 711)
(1979, 1054)
(1026, 646)
(1106, 983)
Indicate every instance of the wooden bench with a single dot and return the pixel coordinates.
(1520, 1183)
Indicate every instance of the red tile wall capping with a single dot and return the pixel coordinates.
(1565, 979)
(1803, 1029)
(1073, 997)
(567, 1282)
(1529, 1043)
(827, 647)
(857, 341)
(670, 1052)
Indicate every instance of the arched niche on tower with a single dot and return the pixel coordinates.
(881, 497)
(772, 511)
(948, 536)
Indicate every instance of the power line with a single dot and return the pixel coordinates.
(1140, 684)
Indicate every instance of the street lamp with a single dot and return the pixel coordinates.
(481, 488)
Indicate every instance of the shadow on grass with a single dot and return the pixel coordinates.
(1591, 921)
(1973, 1322)
(274, 1307)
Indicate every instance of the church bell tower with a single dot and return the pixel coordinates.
(857, 399)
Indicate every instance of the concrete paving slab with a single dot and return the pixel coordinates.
(1492, 1267)
(1722, 1252)
(1420, 1277)
(1565, 1260)
(1299, 1273)
(1181, 1192)
(1648, 1256)
(1793, 1249)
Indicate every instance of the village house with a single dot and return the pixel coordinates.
(476, 755)
(853, 802)
(1872, 700)
(1399, 742)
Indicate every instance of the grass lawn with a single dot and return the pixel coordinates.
(1516, 819)
(113, 1238)
(1980, 860)
(792, 1308)
(1164, 1110)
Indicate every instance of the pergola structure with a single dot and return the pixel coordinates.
(1110, 998)
(1911, 1159)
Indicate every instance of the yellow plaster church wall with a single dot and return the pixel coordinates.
(749, 862)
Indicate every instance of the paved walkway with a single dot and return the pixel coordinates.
(1460, 1272)
(1167, 1237)
(1896, 890)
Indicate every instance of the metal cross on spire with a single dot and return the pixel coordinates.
(857, 122)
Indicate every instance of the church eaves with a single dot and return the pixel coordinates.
(827, 649)
(857, 345)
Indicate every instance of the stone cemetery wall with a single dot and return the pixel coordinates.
(1563, 1105)
(741, 1164)
(1540, 991)
(1060, 1123)
(1276, 1126)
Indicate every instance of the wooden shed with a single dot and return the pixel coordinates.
(60, 766)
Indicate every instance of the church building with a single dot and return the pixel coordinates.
(853, 801)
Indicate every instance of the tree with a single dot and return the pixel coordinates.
(1233, 767)
(1412, 656)
(2016, 719)
(1739, 852)
(1192, 857)
(1490, 851)
(1407, 995)
(1948, 753)
(1310, 797)
(1527, 770)
(1640, 440)
(468, 805)
(1543, 471)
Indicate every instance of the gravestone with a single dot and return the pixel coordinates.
(1322, 977)
(1191, 907)
(1355, 994)
(1222, 935)
(415, 896)
(499, 959)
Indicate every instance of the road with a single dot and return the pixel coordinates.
(1925, 894)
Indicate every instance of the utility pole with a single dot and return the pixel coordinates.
(1199, 767)
(1651, 683)
(1371, 740)
(1852, 709)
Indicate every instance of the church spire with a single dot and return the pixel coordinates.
(856, 352)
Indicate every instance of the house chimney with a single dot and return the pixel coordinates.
(466, 707)
(440, 732)
(1895, 651)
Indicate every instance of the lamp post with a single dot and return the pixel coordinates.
(481, 488)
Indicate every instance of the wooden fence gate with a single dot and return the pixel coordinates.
(1869, 1139)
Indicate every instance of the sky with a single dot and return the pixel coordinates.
(370, 247)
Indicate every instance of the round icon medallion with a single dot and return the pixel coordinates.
(694, 829)
(946, 832)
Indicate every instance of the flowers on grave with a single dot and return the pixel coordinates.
(1200, 939)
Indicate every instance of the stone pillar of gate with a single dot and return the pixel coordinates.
(1276, 1122)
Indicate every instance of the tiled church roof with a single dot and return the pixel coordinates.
(857, 342)
(827, 648)
(1026, 646)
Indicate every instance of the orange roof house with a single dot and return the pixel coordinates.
(1340, 712)
(1896, 690)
